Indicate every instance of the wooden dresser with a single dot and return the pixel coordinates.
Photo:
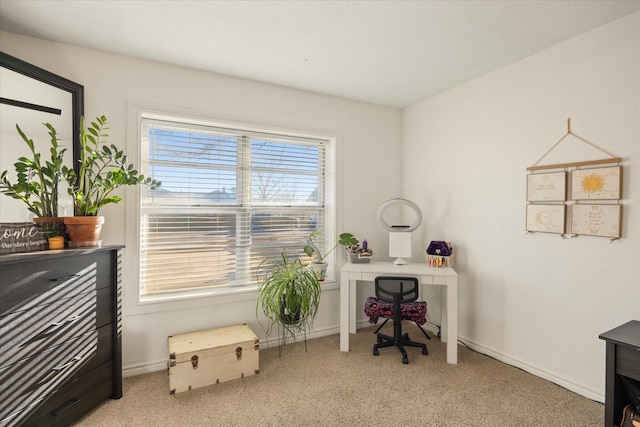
(60, 334)
(623, 359)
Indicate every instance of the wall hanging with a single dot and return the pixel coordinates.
(590, 195)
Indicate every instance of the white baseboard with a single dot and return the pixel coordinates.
(143, 368)
(534, 370)
(132, 370)
(159, 365)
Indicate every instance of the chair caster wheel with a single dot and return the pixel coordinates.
(425, 351)
(405, 360)
(376, 352)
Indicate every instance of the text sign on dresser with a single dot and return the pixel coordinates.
(18, 237)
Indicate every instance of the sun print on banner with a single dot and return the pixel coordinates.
(596, 184)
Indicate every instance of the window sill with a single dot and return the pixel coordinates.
(210, 297)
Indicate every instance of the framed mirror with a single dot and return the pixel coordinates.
(29, 97)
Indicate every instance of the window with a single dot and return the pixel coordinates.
(230, 197)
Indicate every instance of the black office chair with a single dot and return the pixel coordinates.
(402, 293)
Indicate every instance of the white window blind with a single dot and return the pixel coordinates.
(229, 199)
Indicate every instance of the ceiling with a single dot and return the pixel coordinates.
(392, 53)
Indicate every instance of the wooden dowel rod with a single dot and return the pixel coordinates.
(575, 164)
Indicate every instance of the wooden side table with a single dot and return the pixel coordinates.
(623, 358)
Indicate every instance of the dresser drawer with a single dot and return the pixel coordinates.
(24, 286)
(27, 332)
(41, 374)
(628, 361)
(68, 403)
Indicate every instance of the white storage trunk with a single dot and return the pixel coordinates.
(202, 358)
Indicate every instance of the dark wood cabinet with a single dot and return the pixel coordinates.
(60, 334)
(623, 359)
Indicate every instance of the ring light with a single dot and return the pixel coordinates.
(399, 202)
(399, 236)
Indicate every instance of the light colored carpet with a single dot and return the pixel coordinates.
(326, 387)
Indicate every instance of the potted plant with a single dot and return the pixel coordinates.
(357, 254)
(38, 183)
(102, 169)
(288, 295)
(312, 248)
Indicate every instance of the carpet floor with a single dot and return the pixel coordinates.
(326, 387)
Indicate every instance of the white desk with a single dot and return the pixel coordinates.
(446, 277)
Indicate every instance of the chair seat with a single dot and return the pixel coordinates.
(415, 311)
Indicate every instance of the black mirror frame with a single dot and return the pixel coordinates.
(76, 90)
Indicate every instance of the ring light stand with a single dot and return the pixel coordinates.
(399, 235)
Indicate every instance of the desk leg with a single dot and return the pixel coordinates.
(352, 306)
(345, 305)
(450, 313)
(444, 312)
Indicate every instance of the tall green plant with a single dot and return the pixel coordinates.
(103, 168)
(288, 294)
(37, 183)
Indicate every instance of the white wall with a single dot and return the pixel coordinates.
(533, 300)
(368, 137)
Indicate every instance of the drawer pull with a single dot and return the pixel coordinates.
(56, 370)
(69, 363)
(51, 374)
(51, 329)
(66, 406)
(64, 278)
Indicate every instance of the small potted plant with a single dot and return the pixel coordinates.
(288, 295)
(103, 168)
(359, 255)
(312, 248)
(38, 184)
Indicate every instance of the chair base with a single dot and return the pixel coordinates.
(386, 320)
(404, 340)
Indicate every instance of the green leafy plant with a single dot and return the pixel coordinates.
(37, 181)
(288, 294)
(51, 229)
(311, 247)
(103, 168)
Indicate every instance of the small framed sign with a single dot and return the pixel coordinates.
(596, 220)
(16, 237)
(546, 218)
(596, 183)
(546, 187)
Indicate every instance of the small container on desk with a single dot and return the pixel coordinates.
(440, 254)
(357, 259)
(440, 260)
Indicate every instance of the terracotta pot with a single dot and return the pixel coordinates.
(84, 231)
(49, 220)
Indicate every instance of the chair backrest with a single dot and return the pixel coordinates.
(390, 287)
